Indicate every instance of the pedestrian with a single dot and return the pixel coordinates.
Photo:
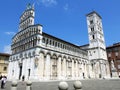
(3, 82)
(23, 78)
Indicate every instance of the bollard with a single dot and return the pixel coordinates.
(28, 87)
(77, 85)
(14, 85)
(63, 86)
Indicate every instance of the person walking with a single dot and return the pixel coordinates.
(3, 82)
(23, 78)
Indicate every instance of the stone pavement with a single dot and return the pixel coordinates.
(109, 84)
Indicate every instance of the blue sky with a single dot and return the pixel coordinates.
(65, 19)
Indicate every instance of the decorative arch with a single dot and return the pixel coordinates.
(41, 51)
(48, 53)
(54, 55)
(59, 55)
(25, 55)
(21, 55)
(69, 58)
(29, 54)
(33, 53)
(64, 57)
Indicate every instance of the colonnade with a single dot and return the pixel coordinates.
(45, 65)
(61, 67)
(55, 66)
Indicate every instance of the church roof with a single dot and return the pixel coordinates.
(62, 40)
(58, 39)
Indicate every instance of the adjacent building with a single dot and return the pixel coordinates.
(40, 56)
(4, 61)
(113, 54)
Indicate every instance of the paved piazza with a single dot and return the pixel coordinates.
(113, 84)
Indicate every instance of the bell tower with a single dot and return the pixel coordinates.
(97, 48)
(95, 30)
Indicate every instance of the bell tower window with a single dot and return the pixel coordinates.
(91, 21)
(92, 29)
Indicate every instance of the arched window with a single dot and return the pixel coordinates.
(43, 40)
(50, 42)
(46, 41)
(55, 44)
(58, 44)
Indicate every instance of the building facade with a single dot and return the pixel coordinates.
(40, 56)
(4, 61)
(113, 54)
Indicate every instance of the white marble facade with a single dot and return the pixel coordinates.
(48, 65)
(40, 56)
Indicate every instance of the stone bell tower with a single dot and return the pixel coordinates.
(97, 48)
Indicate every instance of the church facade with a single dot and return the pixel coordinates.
(37, 55)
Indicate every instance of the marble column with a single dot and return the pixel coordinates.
(82, 67)
(47, 67)
(88, 72)
(27, 67)
(64, 68)
(24, 67)
(67, 69)
(72, 68)
(16, 70)
(76, 68)
(32, 73)
(41, 66)
(51, 65)
(85, 70)
(59, 68)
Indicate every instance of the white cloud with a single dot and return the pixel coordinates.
(10, 33)
(7, 49)
(48, 3)
(66, 7)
